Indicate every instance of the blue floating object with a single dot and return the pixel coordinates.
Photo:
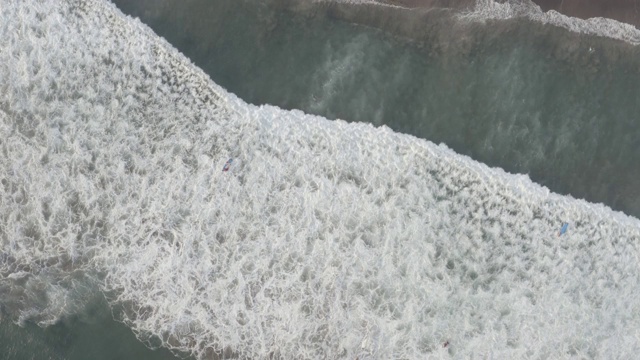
(564, 228)
(227, 165)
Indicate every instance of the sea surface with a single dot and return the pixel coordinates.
(341, 228)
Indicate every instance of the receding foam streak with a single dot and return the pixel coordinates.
(491, 10)
(322, 240)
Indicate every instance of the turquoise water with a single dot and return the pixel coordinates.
(524, 97)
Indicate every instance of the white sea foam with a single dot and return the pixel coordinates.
(358, 2)
(492, 10)
(323, 240)
(511, 9)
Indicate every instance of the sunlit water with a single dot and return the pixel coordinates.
(324, 239)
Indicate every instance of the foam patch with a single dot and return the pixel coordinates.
(492, 10)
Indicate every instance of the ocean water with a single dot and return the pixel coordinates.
(325, 238)
(524, 96)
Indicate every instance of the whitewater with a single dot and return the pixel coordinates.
(324, 239)
(503, 10)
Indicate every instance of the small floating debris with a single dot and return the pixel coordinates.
(446, 344)
(227, 165)
(564, 228)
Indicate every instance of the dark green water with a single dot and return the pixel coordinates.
(92, 335)
(519, 98)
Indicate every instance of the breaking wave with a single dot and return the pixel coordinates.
(322, 239)
(487, 10)
(492, 10)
